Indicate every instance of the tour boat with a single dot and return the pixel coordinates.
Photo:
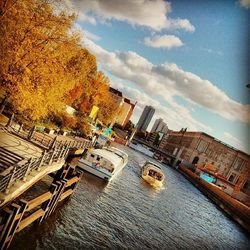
(153, 174)
(104, 163)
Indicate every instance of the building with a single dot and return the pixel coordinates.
(125, 113)
(117, 95)
(155, 138)
(164, 140)
(126, 107)
(201, 148)
(159, 126)
(145, 118)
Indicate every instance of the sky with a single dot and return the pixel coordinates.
(188, 59)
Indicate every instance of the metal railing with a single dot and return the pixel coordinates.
(56, 150)
(21, 170)
(46, 141)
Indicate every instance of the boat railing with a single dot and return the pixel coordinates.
(118, 152)
(100, 167)
(95, 165)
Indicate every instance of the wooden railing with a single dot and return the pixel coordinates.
(21, 170)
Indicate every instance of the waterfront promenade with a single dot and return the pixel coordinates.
(17, 145)
(26, 157)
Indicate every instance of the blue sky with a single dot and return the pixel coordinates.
(186, 58)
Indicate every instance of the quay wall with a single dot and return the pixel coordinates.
(235, 209)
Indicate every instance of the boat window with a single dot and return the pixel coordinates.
(92, 155)
(98, 158)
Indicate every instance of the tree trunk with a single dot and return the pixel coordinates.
(3, 104)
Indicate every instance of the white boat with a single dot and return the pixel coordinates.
(153, 174)
(105, 163)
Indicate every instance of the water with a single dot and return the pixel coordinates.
(129, 214)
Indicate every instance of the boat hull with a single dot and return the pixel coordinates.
(152, 181)
(83, 165)
(153, 174)
(92, 169)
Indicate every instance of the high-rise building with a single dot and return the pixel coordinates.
(145, 118)
(159, 126)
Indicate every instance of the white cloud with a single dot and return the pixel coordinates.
(147, 13)
(211, 51)
(245, 3)
(85, 34)
(91, 36)
(165, 41)
(168, 80)
(85, 18)
(235, 142)
(173, 117)
(117, 85)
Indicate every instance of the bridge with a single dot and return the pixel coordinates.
(156, 149)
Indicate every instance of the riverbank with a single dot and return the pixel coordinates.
(127, 213)
(235, 209)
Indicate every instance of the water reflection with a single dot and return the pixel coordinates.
(127, 213)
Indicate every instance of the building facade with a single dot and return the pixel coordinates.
(159, 126)
(126, 107)
(201, 148)
(155, 138)
(145, 118)
(125, 113)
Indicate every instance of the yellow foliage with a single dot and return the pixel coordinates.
(41, 58)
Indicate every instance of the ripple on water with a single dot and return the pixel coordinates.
(129, 214)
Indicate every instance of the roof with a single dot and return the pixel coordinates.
(153, 166)
(215, 139)
(115, 91)
(126, 100)
(152, 163)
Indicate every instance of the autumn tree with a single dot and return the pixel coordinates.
(42, 57)
(97, 93)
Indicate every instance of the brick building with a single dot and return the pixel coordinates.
(126, 107)
(201, 148)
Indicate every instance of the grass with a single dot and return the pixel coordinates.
(46, 125)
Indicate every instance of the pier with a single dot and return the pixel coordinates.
(26, 157)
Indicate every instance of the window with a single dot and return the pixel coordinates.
(202, 146)
(231, 178)
(238, 164)
(246, 186)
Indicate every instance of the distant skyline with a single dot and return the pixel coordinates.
(188, 59)
(145, 118)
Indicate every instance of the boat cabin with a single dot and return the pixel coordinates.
(107, 158)
(156, 175)
(100, 161)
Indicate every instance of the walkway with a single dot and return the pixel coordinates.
(18, 146)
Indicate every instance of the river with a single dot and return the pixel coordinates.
(129, 214)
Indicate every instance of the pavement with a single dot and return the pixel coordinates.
(18, 145)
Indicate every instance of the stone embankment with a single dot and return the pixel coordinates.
(237, 210)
